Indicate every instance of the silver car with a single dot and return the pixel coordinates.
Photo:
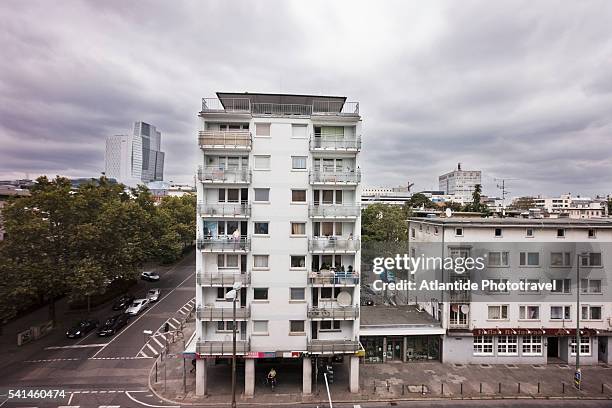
(137, 306)
(153, 295)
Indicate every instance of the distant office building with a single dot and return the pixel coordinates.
(460, 183)
(137, 158)
(571, 207)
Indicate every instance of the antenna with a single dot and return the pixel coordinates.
(502, 187)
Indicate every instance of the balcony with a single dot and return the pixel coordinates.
(333, 245)
(225, 210)
(215, 175)
(332, 346)
(221, 279)
(335, 143)
(245, 106)
(333, 313)
(216, 314)
(330, 278)
(459, 295)
(333, 178)
(224, 244)
(225, 140)
(334, 211)
(458, 326)
(221, 348)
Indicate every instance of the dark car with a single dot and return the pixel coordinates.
(81, 328)
(123, 302)
(113, 325)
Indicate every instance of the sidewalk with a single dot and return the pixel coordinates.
(385, 382)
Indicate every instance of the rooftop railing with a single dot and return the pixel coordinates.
(225, 139)
(225, 210)
(229, 176)
(333, 211)
(335, 142)
(244, 105)
(333, 177)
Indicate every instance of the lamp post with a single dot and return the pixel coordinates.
(578, 374)
(232, 296)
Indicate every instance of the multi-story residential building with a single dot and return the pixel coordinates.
(528, 326)
(386, 195)
(137, 158)
(279, 212)
(460, 183)
(573, 207)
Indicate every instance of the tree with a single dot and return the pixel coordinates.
(522, 203)
(476, 205)
(383, 223)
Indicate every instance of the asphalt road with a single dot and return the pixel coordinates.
(102, 371)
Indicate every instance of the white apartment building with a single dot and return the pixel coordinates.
(573, 207)
(522, 327)
(386, 195)
(278, 211)
(460, 183)
(137, 158)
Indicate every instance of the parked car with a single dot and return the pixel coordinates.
(153, 295)
(113, 324)
(123, 302)
(149, 276)
(137, 306)
(81, 328)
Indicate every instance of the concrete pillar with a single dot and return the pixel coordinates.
(201, 377)
(384, 349)
(405, 349)
(249, 377)
(354, 374)
(306, 376)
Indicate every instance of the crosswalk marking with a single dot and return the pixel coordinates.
(157, 341)
(152, 349)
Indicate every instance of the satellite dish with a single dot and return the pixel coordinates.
(344, 299)
(465, 309)
(448, 212)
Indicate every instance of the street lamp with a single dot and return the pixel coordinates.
(232, 296)
(577, 374)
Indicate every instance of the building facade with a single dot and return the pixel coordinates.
(279, 213)
(137, 158)
(521, 326)
(573, 207)
(460, 184)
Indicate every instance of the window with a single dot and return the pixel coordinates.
(226, 261)
(560, 259)
(529, 233)
(592, 259)
(262, 129)
(261, 228)
(262, 162)
(329, 325)
(532, 345)
(262, 195)
(297, 294)
(298, 196)
(591, 233)
(225, 326)
(507, 345)
(561, 285)
(298, 261)
(560, 313)
(298, 131)
(498, 259)
(296, 326)
(260, 293)
(585, 346)
(560, 233)
(260, 261)
(591, 312)
(529, 259)
(590, 285)
(221, 292)
(260, 327)
(298, 228)
(338, 196)
(498, 232)
(298, 162)
(530, 285)
(483, 345)
(326, 293)
(498, 312)
(529, 312)
(459, 232)
(498, 285)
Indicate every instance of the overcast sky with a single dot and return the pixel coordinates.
(517, 89)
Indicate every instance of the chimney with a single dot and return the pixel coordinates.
(459, 166)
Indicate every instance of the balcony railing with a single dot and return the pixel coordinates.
(334, 211)
(229, 176)
(331, 278)
(244, 105)
(214, 314)
(335, 142)
(332, 346)
(333, 244)
(225, 139)
(221, 348)
(225, 210)
(333, 313)
(458, 325)
(459, 295)
(331, 177)
(226, 244)
(222, 278)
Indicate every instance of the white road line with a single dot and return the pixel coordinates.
(143, 314)
(171, 325)
(74, 346)
(149, 405)
(70, 399)
(157, 341)
(181, 312)
(144, 355)
(176, 321)
(155, 353)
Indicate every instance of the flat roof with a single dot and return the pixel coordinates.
(277, 98)
(518, 222)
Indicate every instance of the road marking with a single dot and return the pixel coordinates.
(171, 325)
(51, 360)
(157, 341)
(149, 405)
(74, 346)
(70, 399)
(144, 313)
(144, 355)
(152, 349)
(176, 321)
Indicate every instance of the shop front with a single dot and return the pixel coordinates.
(385, 349)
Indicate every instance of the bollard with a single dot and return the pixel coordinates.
(519, 388)
(563, 388)
(403, 389)
(538, 388)
(500, 388)
(374, 385)
(155, 370)
(461, 389)
(388, 385)
(442, 385)
(481, 388)
(602, 388)
(422, 389)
